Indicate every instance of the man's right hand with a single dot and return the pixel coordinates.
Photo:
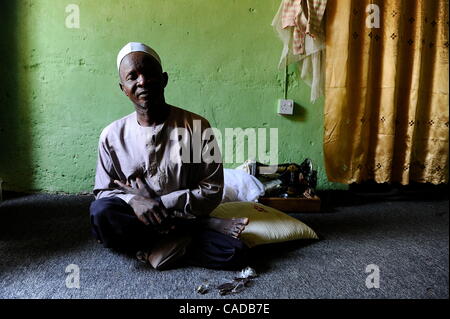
(140, 189)
(149, 211)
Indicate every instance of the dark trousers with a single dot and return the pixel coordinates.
(115, 225)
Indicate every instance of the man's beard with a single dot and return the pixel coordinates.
(149, 105)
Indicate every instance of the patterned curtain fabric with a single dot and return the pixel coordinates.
(386, 109)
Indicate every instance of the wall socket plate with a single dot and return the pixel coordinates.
(286, 107)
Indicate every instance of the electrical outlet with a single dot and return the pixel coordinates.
(286, 107)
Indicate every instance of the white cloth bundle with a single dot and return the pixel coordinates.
(240, 186)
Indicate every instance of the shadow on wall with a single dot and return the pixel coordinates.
(15, 134)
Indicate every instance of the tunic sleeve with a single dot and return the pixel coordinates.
(106, 174)
(199, 201)
(206, 185)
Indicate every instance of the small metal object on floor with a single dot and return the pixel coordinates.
(203, 288)
(248, 272)
(232, 286)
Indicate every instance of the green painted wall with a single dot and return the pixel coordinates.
(59, 85)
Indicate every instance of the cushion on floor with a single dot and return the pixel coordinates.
(266, 225)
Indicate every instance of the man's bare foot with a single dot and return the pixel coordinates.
(231, 227)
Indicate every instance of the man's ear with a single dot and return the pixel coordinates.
(165, 79)
(121, 88)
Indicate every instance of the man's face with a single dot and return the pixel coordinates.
(142, 80)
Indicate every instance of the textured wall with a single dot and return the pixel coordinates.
(59, 85)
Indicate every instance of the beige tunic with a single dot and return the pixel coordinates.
(127, 150)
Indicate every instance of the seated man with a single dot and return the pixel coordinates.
(150, 197)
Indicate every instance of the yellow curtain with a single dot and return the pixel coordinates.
(386, 108)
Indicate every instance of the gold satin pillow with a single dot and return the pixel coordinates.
(266, 225)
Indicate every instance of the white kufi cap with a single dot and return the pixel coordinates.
(136, 47)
